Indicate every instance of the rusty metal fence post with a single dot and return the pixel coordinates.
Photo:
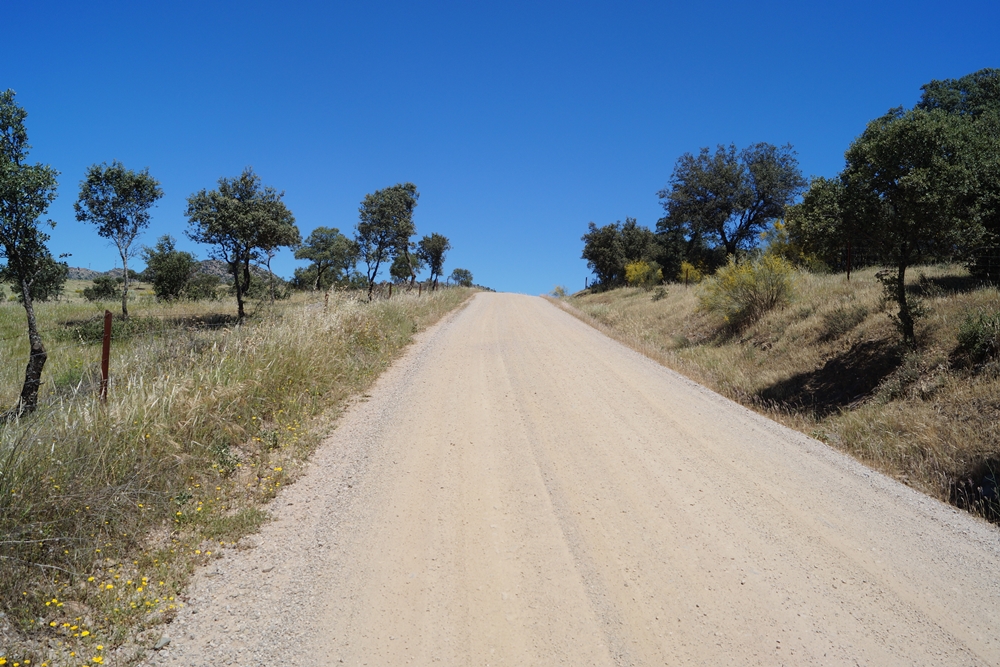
(105, 356)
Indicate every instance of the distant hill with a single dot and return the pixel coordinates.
(76, 273)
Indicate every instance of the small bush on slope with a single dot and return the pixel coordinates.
(745, 289)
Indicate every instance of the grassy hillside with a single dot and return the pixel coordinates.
(830, 365)
(105, 509)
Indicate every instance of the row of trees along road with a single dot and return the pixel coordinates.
(716, 204)
(242, 220)
(920, 184)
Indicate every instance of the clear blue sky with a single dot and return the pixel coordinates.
(519, 122)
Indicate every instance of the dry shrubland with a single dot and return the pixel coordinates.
(830, 364)
(105, 509)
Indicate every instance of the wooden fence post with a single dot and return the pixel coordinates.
(105, 356)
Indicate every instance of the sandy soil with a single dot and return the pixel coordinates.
(521, 490)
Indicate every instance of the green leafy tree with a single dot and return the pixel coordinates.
(609, 248)
(729, 197)
(431, 249)
(26, 190)
(462, 277)
(117, 200)
(976, 98)
(385, 225)
(168, 268)
(906, 191)
(406, 266)
(49, 282)
(243, 220)
(332, 255)
(975, 94)
(272, 239)
(816, 227)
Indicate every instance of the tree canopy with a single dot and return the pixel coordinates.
(729, 197)
(974, 94)
(405, 266)
(609, 248)
(385, 225)
(332, 255)
(167, 268)
(976, 97)
(815, 226)
(243, 220)
(908, 191)
(462, 277)
(117, 200)
(26, 190)
(431, 250)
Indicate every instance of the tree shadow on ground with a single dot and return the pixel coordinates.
(91, 330)
(841, 381)
(941, 285)
(207, 321)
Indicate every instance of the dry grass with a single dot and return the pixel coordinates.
(829, 365)
(105, 510)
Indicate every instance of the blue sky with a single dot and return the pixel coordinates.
(519, 122)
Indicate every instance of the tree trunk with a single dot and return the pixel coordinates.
(371, 280)
(124, 287)
(270, 274)
(238, 286)
(409, 265)
(905, 316)
(28, 400)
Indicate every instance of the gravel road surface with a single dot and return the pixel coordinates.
(521, 490)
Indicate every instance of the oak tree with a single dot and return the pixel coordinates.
(26, 190)
(243, 220)
(431, 249)
(332, 255)
(385, 225)
(907, 188)
(117, 200)
(729, 197)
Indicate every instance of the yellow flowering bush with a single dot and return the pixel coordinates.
(745, 289)
(643, 274)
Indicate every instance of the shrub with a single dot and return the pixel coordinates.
(558, 291)
(979, 337)
(202, 287)
(261, 286)
(105, 288)
(689, 273)
(742, 291)
(168, 269)
(643, 274)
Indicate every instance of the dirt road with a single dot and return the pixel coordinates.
(521, 490)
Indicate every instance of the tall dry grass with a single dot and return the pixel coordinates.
(830, 365)
(105, 509)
